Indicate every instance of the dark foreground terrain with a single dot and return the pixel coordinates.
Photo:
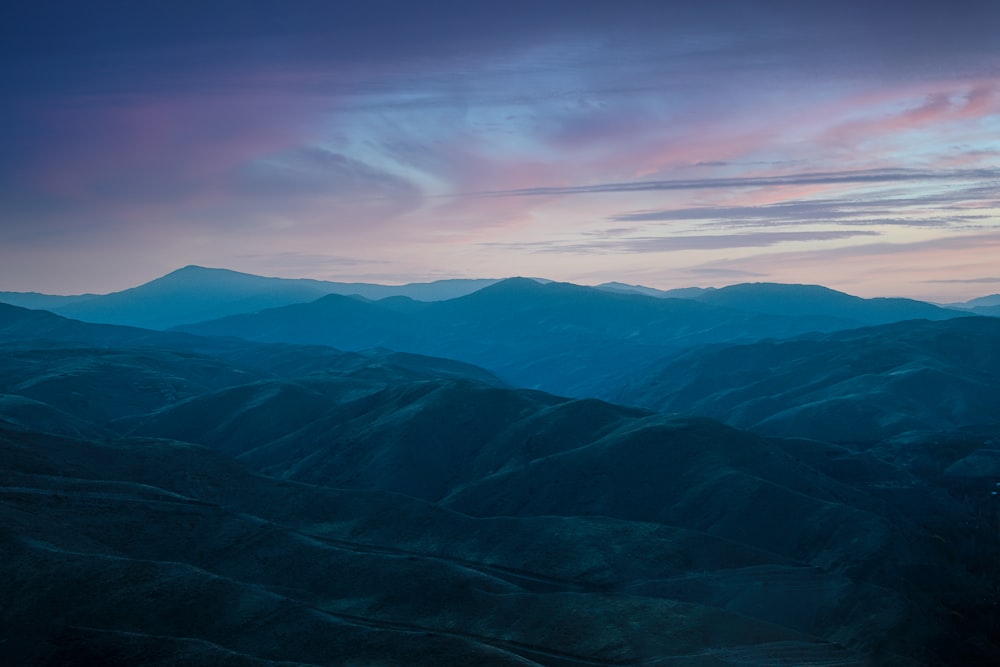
(167, 499)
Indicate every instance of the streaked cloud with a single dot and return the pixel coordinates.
(458, 139)
(820, 178)
(965, 280)
(646, 244)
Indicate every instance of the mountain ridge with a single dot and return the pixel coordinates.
(194, 293)
(560, 337)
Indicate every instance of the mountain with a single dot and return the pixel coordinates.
(557, 337)
(260, 504)
(818, 301)
(195, 293)
(858, 385)
(815, 301)
(42, 348)
(989, 311)
(37, 301)
(981, 302)
(117, 554)
(681, 293)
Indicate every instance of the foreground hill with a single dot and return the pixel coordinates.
(260, 504)
(227, 567)
(859, 385)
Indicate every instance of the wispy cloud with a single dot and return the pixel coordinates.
(954, 207)
(725, 274)
(647, 244)
(961, 281)
(137, 132)
(306, 262)
(871, 176)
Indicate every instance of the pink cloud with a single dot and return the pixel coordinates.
(942, 108)
(132, 154)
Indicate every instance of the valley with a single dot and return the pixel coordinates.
(760, 487)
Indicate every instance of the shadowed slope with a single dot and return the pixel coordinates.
(626, 537)
(558, 337)
(860, 385)
(819, 301)
(231, 564)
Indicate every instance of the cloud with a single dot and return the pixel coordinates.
(954, 207)
(964, 280)
(648, 244)
(253, 127)
(309, 262)
(870, 176)
(316, 172)
(724, 273)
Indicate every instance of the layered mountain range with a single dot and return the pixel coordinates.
(771, 485)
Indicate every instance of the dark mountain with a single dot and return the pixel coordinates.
(195, 293)
(21, 328)
(157, 552)
(716, 541)
(191, 501)
(559, 337)
(859, 385)
(818, 301)
(35, 328)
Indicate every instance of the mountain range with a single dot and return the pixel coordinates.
(773, 483)
(560, 337)
(193, 294)
(196, 293)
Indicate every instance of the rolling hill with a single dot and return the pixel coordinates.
(859, 385)
(166, 499)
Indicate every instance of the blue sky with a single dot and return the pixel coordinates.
(665, 143)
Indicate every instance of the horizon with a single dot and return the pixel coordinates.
(854, 146)
(543, 279)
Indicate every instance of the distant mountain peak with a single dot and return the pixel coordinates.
(780, 288)
(516, 281)
(514, 284)
(195, 269)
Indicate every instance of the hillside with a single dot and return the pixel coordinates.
(859, 385)
(819, 301)
(228, 502)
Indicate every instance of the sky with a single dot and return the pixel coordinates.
(669, 144)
